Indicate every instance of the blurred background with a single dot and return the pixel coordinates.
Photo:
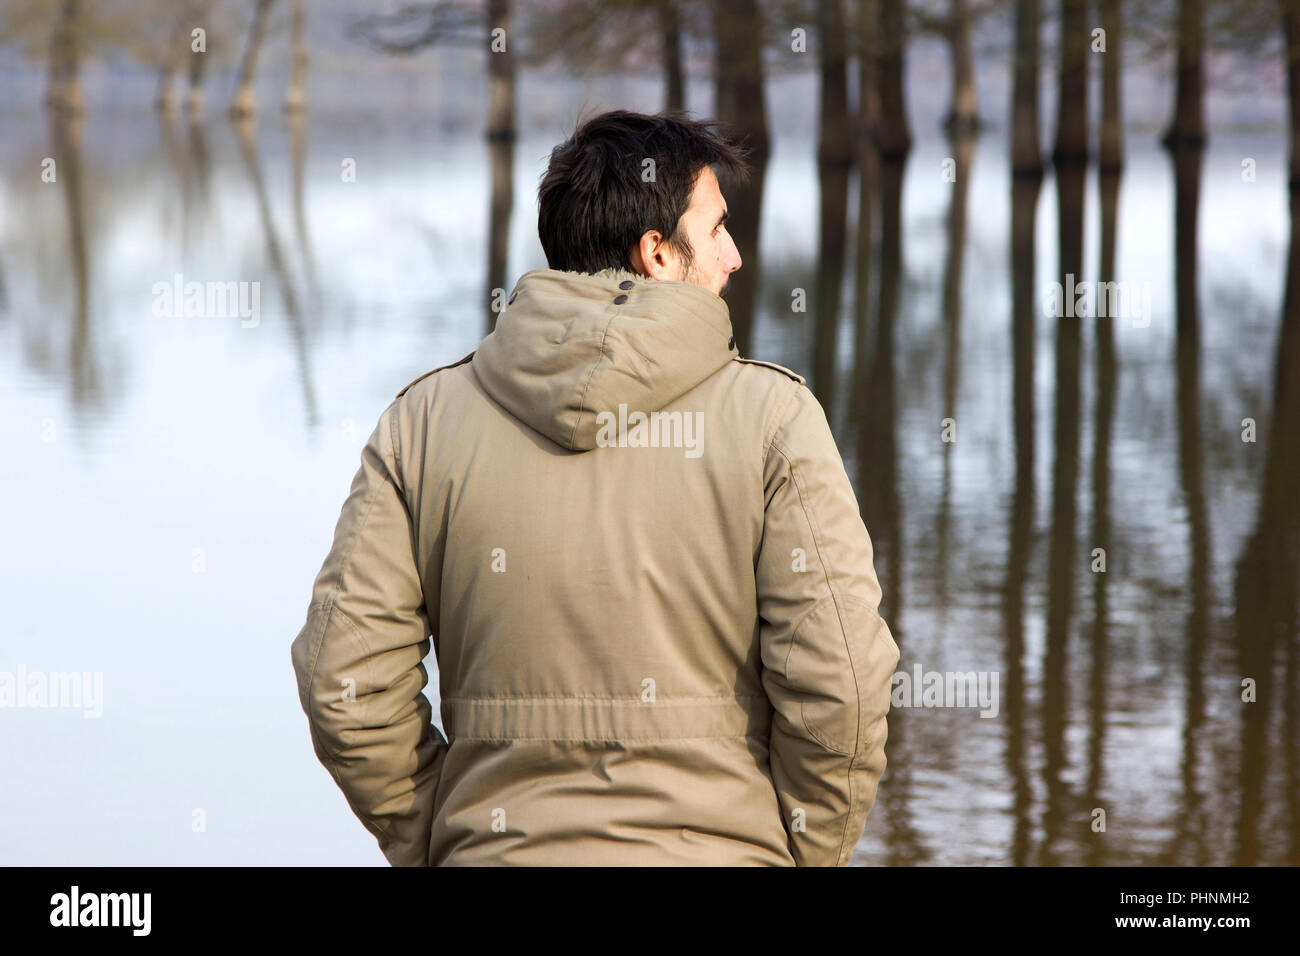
(926, 172)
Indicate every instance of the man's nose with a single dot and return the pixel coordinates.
(732, 262)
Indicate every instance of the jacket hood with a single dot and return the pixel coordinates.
(571, 345)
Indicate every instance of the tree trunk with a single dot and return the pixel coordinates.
(868, 72)
(1026, 151)
(164, 100)
(64, 91)
(868, 170)
(245, 102)
(740, 96)
(1112, 121)
(1072, 84)
(894, 137)
(295, 98)
(173, 60)
(501, 145)
(670, 32)
(836, 134)
(741, 109)
(1291, 34)
(1188, 127)
(198, 66)
(834, 157)
(963, 110)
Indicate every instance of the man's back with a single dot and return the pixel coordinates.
(629, 547)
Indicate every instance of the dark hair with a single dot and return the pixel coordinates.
(594, 203)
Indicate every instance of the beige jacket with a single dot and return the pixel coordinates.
(656, 634)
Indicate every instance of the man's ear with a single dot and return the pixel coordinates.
(649, 255)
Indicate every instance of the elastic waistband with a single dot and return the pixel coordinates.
(606, 719)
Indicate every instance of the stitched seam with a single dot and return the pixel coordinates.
(332, 761)
(392, 440)
(329, 602)
(769, 433)
(811, 517)
(788, 373)
(368, 506)
(440, 368)
(582, 401)
(794, 640)
(860, 750)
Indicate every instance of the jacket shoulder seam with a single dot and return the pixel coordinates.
(769, 436)
(440, 368)
(772, 365)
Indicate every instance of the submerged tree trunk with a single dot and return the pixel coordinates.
(868, 11)
(741, 109)
(1072, 85)
(245, 102)
(1112, 114)
(1291, 36)
(834, 157)
(963, 110)
(501, 145)
(893, 136)
(1026, 151)
(835, 136)
(868, 114)
(173, 61)
(1188, 126)
(194, 96)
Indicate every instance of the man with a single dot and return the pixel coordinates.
(638, 557)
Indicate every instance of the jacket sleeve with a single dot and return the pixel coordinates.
(828, 657)
(359, 658)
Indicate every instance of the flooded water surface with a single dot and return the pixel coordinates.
(1095, 518)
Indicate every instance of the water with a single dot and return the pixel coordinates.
(174, 482)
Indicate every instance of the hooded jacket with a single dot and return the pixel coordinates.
(640, 564)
